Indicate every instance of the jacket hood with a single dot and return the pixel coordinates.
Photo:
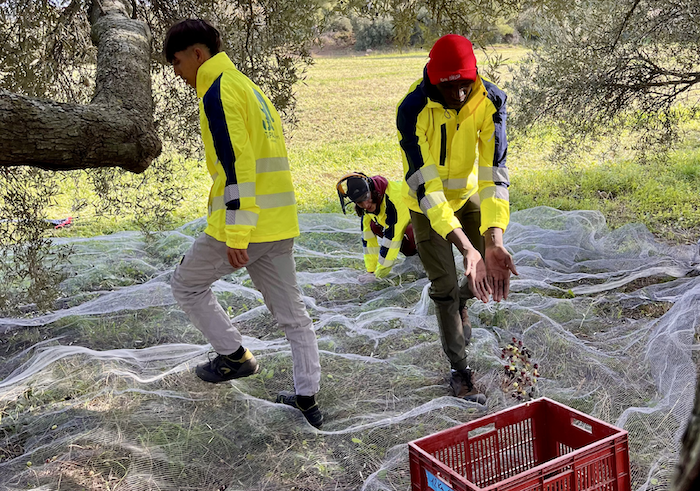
(380, 184)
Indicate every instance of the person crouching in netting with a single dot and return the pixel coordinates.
(386, 222)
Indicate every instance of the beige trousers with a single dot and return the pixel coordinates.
(272, 269)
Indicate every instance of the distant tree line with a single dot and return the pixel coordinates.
(348, 29)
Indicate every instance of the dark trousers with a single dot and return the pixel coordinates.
(449, 291)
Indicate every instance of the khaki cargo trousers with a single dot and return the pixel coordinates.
(448, 289)
(272, 269)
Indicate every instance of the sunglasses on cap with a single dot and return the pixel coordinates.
(354, 187)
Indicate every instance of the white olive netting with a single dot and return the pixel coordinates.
(101, 394)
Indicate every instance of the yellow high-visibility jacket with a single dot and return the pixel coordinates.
(393, 217)
(449, 156)
(252, 197)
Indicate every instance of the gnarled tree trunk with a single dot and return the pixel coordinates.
(114, 130)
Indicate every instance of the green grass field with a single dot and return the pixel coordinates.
(346, 111)
(347, 122)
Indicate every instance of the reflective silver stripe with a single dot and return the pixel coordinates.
(424, 205)
(500, 192)
(241, 217)
(432, 199)
(421, 176)
(217, 203)
(385, 262)
(430, 172)
(371, 250)
(276, 200)
(495, 174)
(454, 183)
(368, 235)
(238, 191)
(391, 244)
(415, 180)
(265, 201)
(271, 164)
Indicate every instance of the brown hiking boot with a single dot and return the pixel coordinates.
(463, 387)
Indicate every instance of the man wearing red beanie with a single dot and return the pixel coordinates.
(452, 132)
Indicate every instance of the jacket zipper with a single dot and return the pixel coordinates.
(443, 143)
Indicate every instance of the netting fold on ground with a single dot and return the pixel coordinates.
(101, 393)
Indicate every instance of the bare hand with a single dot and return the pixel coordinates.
(474, 266)
(499, 266)
(237, 257)
(475, 269)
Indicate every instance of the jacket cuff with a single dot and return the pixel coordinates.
(237, 240)
(485, 227)
(444, 228)
(382, 272)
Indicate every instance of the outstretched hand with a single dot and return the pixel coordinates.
(475, 269)
(499, 266)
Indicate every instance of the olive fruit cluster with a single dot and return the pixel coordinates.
(519, 373)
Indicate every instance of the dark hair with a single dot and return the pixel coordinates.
(185, 33)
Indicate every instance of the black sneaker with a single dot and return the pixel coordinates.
(223, 368)
(312, 414)
(463, 387)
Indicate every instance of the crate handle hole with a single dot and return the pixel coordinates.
(482, 430)
(581, 425)
(551, 475)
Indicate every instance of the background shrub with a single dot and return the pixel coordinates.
(373, 33)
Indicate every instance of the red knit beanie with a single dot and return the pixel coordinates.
(452, 58)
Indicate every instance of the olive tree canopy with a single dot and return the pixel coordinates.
(83, 85)
(606, 64)
(75, 78)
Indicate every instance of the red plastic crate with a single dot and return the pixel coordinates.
(538, 446)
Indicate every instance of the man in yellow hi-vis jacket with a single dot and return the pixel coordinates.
(452, 132)
(252, 217)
